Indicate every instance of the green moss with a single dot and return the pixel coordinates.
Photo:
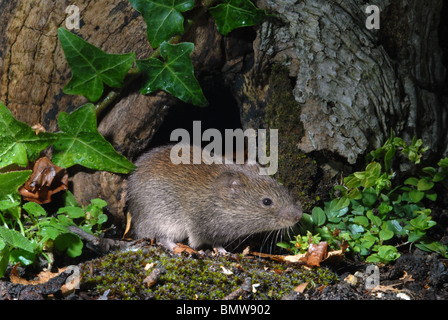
(188, 278)
(296, 170)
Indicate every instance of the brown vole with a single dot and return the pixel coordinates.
(210, 204)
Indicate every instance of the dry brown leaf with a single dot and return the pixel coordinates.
(38, 128)
(45, 180)
(316, 253)
(126, 234)
(301, 287)
(152, 278)
(184, 248)
(42, 277)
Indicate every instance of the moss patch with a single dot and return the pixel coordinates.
(296, 171)
(185, 277)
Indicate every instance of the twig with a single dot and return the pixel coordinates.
(244, 290)
(99, 245)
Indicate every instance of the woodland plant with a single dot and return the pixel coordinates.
(374, 213)
(27, 230)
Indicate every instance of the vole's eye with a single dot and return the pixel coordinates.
(267, 202)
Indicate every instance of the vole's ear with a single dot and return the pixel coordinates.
(229, 181)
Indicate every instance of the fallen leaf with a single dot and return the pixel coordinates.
(316, 253)
(184, 248)
(45, 180)
(42, 277)
(406, 277)
(127, 230)
(301, 287)
(38, 128)
(152, 278)
(226, 271)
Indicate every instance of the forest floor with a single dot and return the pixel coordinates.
(147, 271)
(143, 270)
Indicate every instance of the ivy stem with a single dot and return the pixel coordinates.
(134, 72)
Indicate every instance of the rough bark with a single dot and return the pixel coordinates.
(350, 86)
(353, 84)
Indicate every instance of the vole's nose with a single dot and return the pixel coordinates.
(291, 214)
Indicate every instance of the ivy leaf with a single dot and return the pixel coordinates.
(18, 142)
(163, 18)
(174, 75)
(234, 14)
(91, 66)
(81, 143)
(11, 181)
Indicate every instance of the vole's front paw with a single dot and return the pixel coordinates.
(220, 251)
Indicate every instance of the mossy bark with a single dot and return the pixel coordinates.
(348, 86)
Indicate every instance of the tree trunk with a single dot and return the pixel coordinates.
(333, 88)
(338, 89)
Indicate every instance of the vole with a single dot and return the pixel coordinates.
(208, 204)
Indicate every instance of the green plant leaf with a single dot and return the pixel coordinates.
(416, 196)
(390, 154)
(8, 204)
(73, 212)
(4, 257)
(11, 181)
(369, 197)
(361, 220)
(174, 75)
(386, 234)
(18, 142)
(424, 184)
(412, 181)
(234, 14)
(319, 216)
(352, 182)
(81, 143)
(434, 246)
(16, 239)
(91, 67)
(34, 209)
(70, 242)
(385, 254)
(163, 18)
(374, 219)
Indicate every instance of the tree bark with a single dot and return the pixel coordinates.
(348, 86)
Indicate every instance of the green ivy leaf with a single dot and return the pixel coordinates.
(163, 18)
(234, 14)
(91, 66)
(18, 142)
(81, 143)
(175, 75)
(11, 181)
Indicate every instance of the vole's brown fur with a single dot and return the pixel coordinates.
(208, 204)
